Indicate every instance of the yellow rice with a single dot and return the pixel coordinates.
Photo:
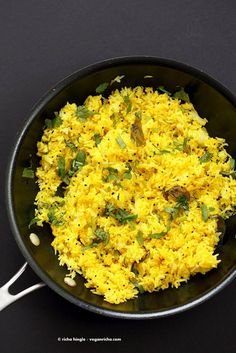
(187, 245)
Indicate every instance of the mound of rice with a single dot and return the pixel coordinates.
(107, 178)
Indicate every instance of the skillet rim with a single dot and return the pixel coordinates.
(58, 87)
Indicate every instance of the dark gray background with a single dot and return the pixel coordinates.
(43, 41)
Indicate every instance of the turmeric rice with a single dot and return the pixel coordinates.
(133, 187)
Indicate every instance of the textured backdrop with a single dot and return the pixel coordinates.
(43, 41)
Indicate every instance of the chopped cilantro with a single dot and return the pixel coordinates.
(83, 113)
(134, 268)
(181, 145)
(52, 123)
(138, 286)
(109, 209)
(138, 115)
(182, 95)
(231, 172)
(102, 87)
(185, 145)
(164, 151)
(97, 139)
(182, 202)
(28, 173)
(102, 235)
(71, 146)
(172, 211)
(121, 215)
(77, 163)
(204, 211)
(232, 163)
(206, 157)
(53, 219)
(128, 104)
(90, 246)
(113, 175)
(163, 90)
(139, 237)
(33, 221)
(157, 235)
(61, 170)
(127, 173)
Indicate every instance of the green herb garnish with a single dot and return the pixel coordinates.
(178, 145)
(61, 170)
(181, 145)
(231, 172)
(182, 202)
(172, 211)
(185, 145)
(28, 173)
(163, 90)
(113, 175)
(53, 123)
(127, 173)
(134, 268)
(83, 113)
(182, 95)
(71, 146)
(121, 215)
(102, 235)
(164, 151)
(138, 286)
(204, 211)
(128, 104)
(139, 238)
(53, 219)
(102, 87)
(97, 139)
(77, 163)
(232, 163)
(33, 221)
(109, 209)
(90, 245)
(120, 142)
(206, 157)
(157, 235)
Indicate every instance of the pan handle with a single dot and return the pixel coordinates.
(6, 298)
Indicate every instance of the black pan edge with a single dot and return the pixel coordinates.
(9, 174)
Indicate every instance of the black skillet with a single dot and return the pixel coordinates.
(211, 100)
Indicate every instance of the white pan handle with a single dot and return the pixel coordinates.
(6, 298)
